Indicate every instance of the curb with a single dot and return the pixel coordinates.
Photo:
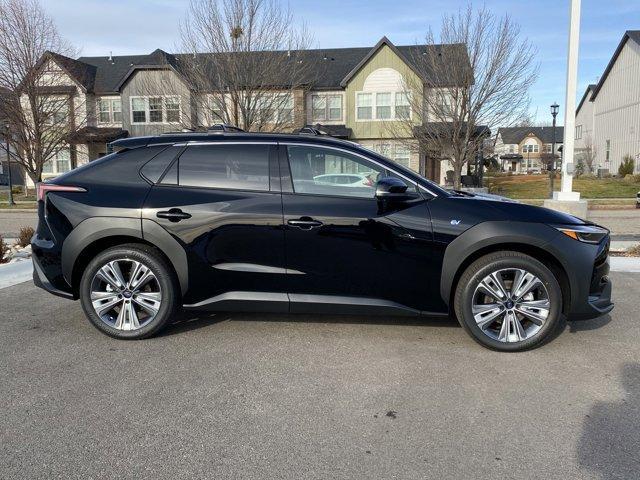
(625, 264)
(15, 273)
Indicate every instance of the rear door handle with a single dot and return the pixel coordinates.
(173, 215)
(305, 223)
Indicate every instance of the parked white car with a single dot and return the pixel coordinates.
(345, 179)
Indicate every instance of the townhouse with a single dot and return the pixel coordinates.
(354, 93)
(608, 115)
(527, 149)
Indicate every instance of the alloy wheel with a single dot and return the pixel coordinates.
(510, 305)
(125, 294)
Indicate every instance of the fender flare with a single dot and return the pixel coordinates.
(491, 233)
(97, 228)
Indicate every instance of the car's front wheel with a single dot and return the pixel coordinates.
(129, 291)
(509, 301)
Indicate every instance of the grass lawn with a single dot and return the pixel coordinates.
(537, 186)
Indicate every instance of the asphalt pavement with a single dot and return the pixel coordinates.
(289, 397)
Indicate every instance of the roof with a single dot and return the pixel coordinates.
(634, 36)
(512, 135)
(332, 66)
(587, 93)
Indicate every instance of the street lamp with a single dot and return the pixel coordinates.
(7, 134)
(552, 166)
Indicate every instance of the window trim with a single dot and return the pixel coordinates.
(392, 105)
(327, 96)
(147, 110)
(110, 100)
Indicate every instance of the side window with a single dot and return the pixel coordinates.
(154, 168)
(240, 167)
(324, 171)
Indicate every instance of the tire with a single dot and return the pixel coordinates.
(474, 306)
(154, 301)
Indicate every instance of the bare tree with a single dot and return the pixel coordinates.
(246, 61)
(475, 75)
(41, 109)
(588, 154)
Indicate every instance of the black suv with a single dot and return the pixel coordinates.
(306, 224)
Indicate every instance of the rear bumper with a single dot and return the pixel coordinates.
(47, 272)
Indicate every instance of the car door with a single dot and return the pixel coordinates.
(222, 202)
(342, 246)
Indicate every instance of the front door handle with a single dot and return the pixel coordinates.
(173, 215)
(305, 223)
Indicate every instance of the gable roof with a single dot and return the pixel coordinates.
(332, 68)
(634, 36)
(81, 72)
(587, 93)
(513, 135)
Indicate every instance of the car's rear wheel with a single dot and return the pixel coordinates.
(509, 301)
(129, 291)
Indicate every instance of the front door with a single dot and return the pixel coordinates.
(338, 241)
(222, 202)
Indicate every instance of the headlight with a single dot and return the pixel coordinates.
(584, 233)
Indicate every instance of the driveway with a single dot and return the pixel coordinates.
(270, 396)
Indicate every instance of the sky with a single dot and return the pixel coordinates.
(140, 26)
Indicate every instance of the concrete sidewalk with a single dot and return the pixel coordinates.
(14, 273)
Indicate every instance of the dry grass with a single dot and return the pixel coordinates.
(24, 237)
(537, 187)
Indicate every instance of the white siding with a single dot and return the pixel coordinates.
(617, 110)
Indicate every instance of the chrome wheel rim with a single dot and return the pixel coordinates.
(510, 305)
(125, 294)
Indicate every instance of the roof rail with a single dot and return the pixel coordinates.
(223, 128)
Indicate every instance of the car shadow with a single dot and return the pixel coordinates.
(585, 325)
(610, 439)
(186, 321)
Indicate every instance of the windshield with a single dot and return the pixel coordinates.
(425, 182)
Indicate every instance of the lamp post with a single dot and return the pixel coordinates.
(8, 130)
(552, 166)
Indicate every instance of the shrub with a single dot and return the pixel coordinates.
(627, 166)
(4, 248)
(634, 251)
(24, 237)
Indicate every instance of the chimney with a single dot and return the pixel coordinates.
(111, 56)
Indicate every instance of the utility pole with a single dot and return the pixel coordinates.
(7, 133)
(566, 200)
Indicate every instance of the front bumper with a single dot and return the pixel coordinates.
(589, 278)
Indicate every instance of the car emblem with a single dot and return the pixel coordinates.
(455, 222)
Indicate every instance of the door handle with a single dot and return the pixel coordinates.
(173, 215)
(305, 223)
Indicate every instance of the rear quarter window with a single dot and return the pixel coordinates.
(154, 168)
(240, 167)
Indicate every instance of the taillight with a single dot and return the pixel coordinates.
(43, 188)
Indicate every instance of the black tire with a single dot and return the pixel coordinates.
(166, 279)
(482, 267)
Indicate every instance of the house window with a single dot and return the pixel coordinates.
(109, 110)
(578, 132)
(403, 110)
(607, 150)
(284, 110)
(275, 108)
(326, 107)
(382, 106)
(158, 109)
(56, 111)
(512, 149)
(397, 152)
(60, 163)
(363, 105)
(216, 106)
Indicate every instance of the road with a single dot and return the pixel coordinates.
(256, 396)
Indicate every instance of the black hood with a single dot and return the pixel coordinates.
(505, 209)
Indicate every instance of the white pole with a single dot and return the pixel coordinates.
(570, 106)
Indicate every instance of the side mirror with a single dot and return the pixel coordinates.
(393, 189)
